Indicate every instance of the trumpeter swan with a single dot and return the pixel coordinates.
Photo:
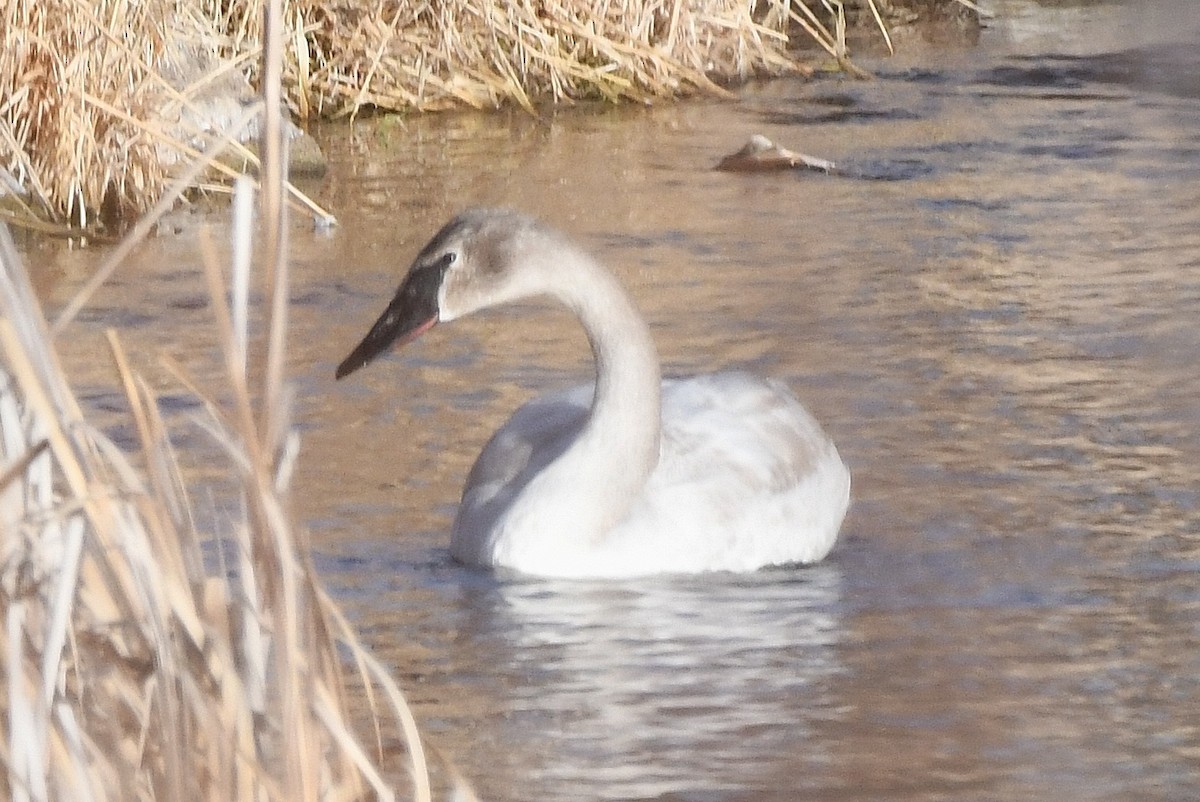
(631, 475)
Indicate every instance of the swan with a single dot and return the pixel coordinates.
(630, 475)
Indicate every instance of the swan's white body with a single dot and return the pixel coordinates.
(745, 478)
(724, 472)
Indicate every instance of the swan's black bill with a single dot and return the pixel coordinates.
(412, 312)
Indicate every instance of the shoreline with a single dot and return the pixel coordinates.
(103, 135)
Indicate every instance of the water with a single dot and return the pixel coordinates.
(992, 309)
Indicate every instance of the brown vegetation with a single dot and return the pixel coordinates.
(98, 100)
(145, 658)
(95, 97)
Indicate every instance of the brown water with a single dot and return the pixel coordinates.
(993, 310)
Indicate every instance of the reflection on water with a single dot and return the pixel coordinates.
(992, 310)
(616, 690)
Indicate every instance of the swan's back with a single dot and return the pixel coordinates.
(745, 478)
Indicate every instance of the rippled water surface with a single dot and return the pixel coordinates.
(993, 310)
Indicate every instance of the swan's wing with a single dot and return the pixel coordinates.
(535, 435)
(532, 438)
(753, 426)
(746, 474)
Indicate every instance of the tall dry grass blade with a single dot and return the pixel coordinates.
(373, 672)
(887, 38)
(176, 551)
(37, 396)
(275, 423)
(243, 221)
(813, 26)
(242, 407)
(79, 785)
(19, 305)
(26, 741)
(329, 713)
(160, 483)
(273, 146)
(59, 613)
(18, 468)
(271, 132)
(147, 222)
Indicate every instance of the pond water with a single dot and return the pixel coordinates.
(992, 308)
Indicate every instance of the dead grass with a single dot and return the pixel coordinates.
(144, 658)
(484, 53)
(102, 103)
(67, 95)
(99, 99)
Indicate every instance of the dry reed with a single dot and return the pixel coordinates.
(99, 99)
(76, 92)
(483, 53)
(100, 103)
(143, 658)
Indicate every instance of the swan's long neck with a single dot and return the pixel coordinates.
(622, 434)
(595, 481)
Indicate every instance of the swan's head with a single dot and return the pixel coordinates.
(472, 262)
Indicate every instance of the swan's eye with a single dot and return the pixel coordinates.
(450, 258)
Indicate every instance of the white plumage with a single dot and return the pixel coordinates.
(718, 472)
